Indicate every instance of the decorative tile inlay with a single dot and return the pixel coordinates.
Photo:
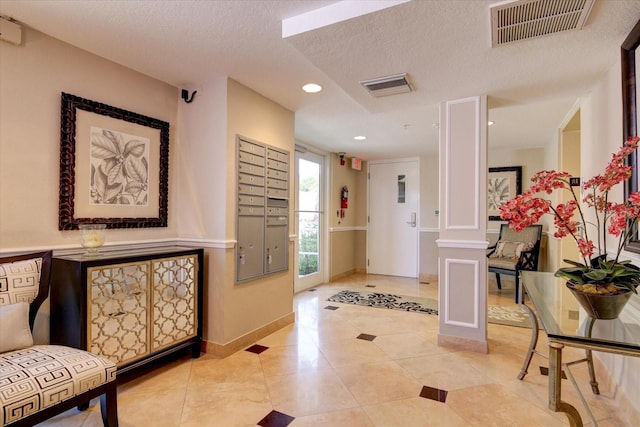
(434, 394)
(276, 419)
(331, 307)
(366, 337)
(257, 349)
(545, 371)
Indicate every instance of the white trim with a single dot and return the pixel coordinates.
(215, 244)
(322, 159)
(59, 250)
(429, 230)
(402, 160)
(75, 248)
(463, 244)
(572, 112)
(353, 228)
(313, 149)
(476, 281)
(477, 101)
(332, 14)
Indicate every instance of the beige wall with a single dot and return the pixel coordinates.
(202, 163)
(570, 162)
(32, 76)
(531, 159)
(356, 214)
(236, 310)
(347, 236)
(201, 171)
(251, 305)
(601, 135)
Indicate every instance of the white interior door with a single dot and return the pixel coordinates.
(310, 221)
(394, 194)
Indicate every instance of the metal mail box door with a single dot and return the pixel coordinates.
(277, 248)
(250, 251)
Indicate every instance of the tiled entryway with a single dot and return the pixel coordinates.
(355, 366)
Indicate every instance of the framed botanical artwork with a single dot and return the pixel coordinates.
(503, 183)
(114, 166)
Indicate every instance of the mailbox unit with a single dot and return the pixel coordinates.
(263, 210)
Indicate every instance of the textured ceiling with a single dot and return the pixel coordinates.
(444, 46)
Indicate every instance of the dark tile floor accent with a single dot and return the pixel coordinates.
(369, 286)
(331, 307)
(545, 371)
(366, 337)
(257, 349)
(276, 419)
(434, 394)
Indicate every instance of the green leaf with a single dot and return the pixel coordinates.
(596, 275)
(570, 275)
(577, 264)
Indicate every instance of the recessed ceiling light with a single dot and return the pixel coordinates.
(311, 88)
(360, 138)
(490, 122)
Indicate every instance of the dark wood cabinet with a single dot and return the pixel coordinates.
(131, 306)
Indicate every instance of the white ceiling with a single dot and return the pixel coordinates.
(444, 46)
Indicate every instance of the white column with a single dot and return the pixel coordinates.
(463, 241)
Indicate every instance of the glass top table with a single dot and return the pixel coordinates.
(558, 312)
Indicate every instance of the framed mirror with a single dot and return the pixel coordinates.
(630, 119)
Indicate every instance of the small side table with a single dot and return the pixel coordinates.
(550, 307)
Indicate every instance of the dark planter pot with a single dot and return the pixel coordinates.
(601, 306)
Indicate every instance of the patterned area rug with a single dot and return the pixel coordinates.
(503, 315)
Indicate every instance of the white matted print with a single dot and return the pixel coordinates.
(114, 166)
(503, 184)
(119, 172)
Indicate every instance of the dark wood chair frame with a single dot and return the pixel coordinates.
(528, 260)
(107, 392)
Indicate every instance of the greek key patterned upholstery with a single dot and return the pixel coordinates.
(19, 281)
(37, 377)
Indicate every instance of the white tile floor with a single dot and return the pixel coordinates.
(318, 372)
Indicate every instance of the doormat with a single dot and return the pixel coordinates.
(502, 315)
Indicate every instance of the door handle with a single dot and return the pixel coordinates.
(413, 220)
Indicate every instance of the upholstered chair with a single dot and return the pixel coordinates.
(40, 381)
(513, 252)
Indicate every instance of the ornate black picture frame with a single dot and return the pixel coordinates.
(114, 166)
(630, 116)
(503, 183)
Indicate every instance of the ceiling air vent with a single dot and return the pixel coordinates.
(527, 19)
(389, 85)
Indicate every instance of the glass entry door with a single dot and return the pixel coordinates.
(310, 220)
